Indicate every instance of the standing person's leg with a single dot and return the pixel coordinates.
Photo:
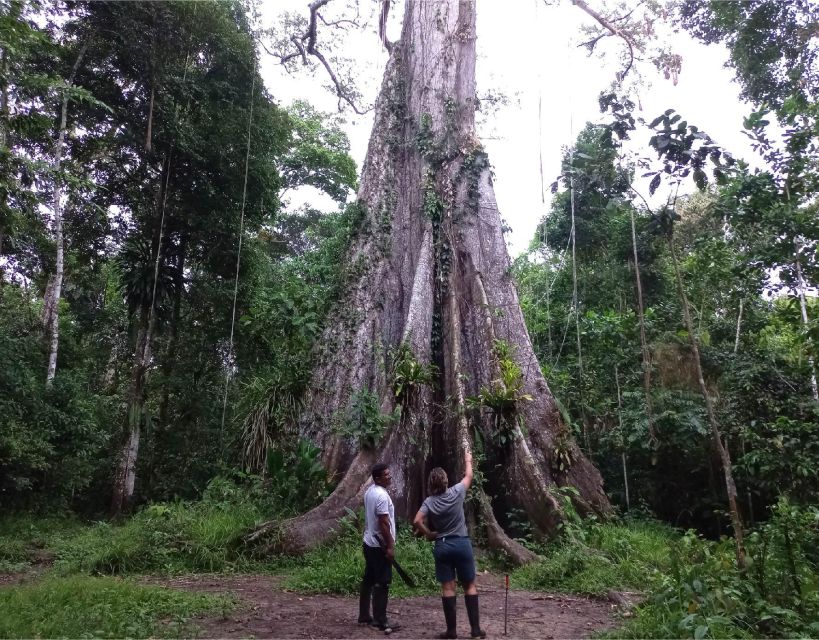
(366, 591)
(381, 590)
(445, 574)
(465, 567)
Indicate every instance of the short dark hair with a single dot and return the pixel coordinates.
(437, 482)
(378, 470)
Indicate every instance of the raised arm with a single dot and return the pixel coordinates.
(467, 468)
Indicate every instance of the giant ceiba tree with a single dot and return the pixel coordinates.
(430, 322)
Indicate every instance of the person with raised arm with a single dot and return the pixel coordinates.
(441, 518)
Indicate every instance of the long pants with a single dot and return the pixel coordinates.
(375, 585)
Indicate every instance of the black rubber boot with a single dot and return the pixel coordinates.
(450, 615)
(474, 616)
(380, 597)
(364, 597)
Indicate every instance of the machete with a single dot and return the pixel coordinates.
(407, 578)
(404, 575)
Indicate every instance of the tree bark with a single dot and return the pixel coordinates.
(125, 474)
(739, 326)
(4, 102)
(646, 353)
(430, 269)
(803, 307)
(622, 439)
(54, 317)
(719, 445)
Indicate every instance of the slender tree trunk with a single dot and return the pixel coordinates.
(800, 285)
(576, 304)
(150, 127)
(4, 103)
(125, 474)
(622, 439)
(719, 445)
(169, 363)
(739, 326)
(54, 319)
(652, 434)
(430, 269)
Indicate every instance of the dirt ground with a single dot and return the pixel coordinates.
(266, 610)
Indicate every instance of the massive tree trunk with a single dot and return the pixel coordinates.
(430, 270)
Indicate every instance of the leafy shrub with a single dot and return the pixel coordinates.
(296, 478)
(51, 441)
(166, 538)
(26, 539)
(704, 595)
(593, 558)
(363, 420)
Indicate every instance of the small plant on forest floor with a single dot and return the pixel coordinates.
(363, 420)
(88, 607)
(26, 540)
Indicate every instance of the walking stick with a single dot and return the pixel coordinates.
(506, 604)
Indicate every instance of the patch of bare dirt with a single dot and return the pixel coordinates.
(266, 610)
(40, 562)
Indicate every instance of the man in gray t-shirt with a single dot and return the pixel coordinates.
(445, 512)
(441, 518)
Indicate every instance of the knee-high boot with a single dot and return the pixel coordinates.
(364, 598)
(474, 615)
(380, 596)
(450, 615)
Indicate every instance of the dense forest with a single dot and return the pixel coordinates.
(195, 376)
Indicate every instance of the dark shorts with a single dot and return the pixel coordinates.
(453, 556)
(377, 569)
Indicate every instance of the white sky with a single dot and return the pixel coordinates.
(528, 51)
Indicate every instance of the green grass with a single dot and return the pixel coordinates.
(25, 539)
(338, 566)
(89, 607)
(165, 538)
(602, 557)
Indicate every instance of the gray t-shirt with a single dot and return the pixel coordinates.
(445, 512)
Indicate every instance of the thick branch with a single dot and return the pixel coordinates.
(382, 24)
(310, 37)
(607, 24)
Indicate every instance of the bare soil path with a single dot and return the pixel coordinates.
(266, 610)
